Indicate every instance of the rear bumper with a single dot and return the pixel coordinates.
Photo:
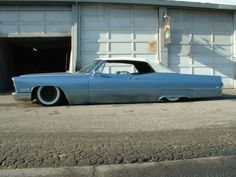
(22, 96)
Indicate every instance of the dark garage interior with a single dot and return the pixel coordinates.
(32, 55)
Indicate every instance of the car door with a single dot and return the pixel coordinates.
(112, 88)
(148, 87)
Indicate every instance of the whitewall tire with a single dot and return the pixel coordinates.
(48, 95)
(172, 99)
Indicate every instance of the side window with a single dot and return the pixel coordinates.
(118, 68)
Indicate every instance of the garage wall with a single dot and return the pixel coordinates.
(113, 31)
(37, 20)
(202, 43)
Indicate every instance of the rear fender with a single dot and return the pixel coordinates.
(180, 93)
(173, 96)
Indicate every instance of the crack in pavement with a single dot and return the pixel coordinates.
(33, 150)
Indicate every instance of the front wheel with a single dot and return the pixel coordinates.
(48, 95)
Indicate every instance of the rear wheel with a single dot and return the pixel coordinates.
(172, 99)
(48, 95)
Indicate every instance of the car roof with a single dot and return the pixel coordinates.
(123, 59)
(158, 67)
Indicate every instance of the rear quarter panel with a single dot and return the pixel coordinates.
(180, 85)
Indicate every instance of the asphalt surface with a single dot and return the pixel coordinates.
(35, 136)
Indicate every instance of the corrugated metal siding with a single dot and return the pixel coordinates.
(18, 20)
(214, 4)
(113, 31)
(202, 43)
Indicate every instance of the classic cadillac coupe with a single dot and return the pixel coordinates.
(115, 80)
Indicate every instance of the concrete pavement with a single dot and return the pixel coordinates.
(194, 114)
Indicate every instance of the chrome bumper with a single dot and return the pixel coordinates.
(22, 96)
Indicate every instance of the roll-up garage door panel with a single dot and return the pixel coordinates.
(202, 43)
(35, 19)
(118, 31)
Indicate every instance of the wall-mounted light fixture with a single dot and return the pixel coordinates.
(166, 29)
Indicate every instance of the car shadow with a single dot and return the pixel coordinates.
(223, 97)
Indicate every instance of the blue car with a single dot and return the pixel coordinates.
(115, 80)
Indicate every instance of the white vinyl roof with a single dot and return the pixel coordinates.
(158, 67)
(123, 59)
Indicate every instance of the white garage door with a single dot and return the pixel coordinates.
(202, 43)
(114, 31)
(38, 20)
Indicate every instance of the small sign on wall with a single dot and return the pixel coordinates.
(152, 46)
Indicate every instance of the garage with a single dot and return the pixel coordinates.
(33, 39)
(202, 43)
(52, 36)
(113, 31)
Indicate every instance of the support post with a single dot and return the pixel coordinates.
(234, 50)
(75, 36)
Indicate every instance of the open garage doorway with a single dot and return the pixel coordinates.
(32, 55)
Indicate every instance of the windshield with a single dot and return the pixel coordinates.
(88, 68)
